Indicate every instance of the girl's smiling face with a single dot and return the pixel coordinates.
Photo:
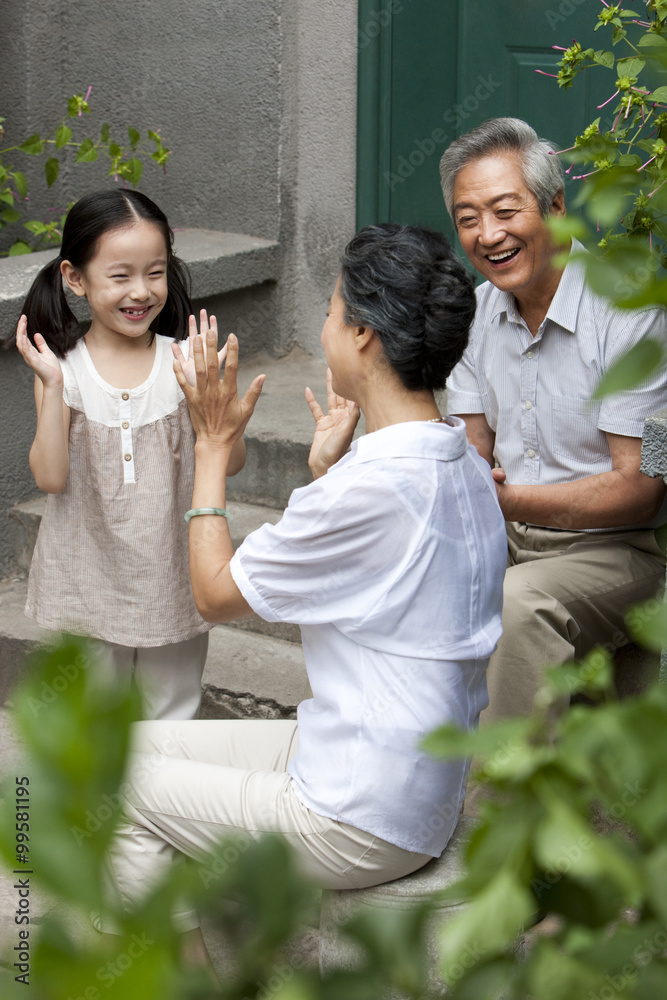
(125, 283)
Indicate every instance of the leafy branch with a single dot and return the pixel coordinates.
(572, 829)
(125, 164)
(622, 160)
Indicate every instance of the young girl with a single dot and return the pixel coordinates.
(114, 449)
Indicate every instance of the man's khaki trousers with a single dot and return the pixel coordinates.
(565, 592)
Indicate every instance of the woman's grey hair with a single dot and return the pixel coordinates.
(407, 284)
(542, 169)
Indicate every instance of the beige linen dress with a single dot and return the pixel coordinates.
(111, 559)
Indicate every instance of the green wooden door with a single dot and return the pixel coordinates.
(432, 69)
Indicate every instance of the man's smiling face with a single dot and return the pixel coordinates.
(501, 228)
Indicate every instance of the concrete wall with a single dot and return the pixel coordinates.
(257, 99)
(318, 165)
(206, 73)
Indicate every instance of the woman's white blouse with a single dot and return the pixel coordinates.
(392, 564)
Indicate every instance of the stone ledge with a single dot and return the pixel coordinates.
(218, 262)
(654, 446)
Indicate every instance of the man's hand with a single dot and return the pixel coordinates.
(622, 496)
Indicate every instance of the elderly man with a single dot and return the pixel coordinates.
(580, 515)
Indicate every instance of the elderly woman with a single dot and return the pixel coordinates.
(391, 562)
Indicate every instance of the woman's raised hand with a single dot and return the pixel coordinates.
(204, 326)
(333, 430)
(41, 358)
(218, 415)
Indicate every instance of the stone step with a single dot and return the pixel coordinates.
(247, 675)
(26, 518)
(280, 432)
(244, 518)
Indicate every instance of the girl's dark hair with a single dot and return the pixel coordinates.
(407, 284)
(46, 306)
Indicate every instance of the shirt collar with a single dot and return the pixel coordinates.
(564, 307)
(414, 439)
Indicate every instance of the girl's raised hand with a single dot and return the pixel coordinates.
(217, 413)
(41, 358)
(333, 430)
(188, 367)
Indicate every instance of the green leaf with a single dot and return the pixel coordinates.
(563, 835)
(564, 227)
(594, 674)
(51, 169)
(10, 215)
(131, 171)
(104, 133)
(20, 183)
(608, 202)
(629, 160)
(487, 980)
(651, 294)
(489, 925)
(160, 156)
(33, 226)
(135, 137)
(63, 136)
(604, 58)
(33, 146)
(503, 837)
(648, 624)
(564, 840)
(78, 731)
(651, 981)
(630, 66)
(659, 95)
(87, 152)
(18, 248)
(115, 150)
(555, 975)
(7, 197)
(451, 742)
(592, 902)
(631, 370)
(656, 880)
(652, 41)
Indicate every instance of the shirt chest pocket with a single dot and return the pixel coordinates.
(575, 435)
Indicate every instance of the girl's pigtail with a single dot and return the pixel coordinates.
(173, 320)
(48, 311)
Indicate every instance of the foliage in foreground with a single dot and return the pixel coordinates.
(55, 833)
(574, 826)
(125, 164)
(552, 783)
(620, 164)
